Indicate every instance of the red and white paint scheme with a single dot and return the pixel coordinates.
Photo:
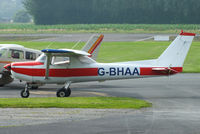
(66, 66)
(14, 53)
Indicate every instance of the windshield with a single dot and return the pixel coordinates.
(41, 58)
(3, 52)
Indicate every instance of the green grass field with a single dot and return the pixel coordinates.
(127, 51)
(75, 102)
(99, 28)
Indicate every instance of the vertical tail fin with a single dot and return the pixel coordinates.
(93, 45)
(175, 54)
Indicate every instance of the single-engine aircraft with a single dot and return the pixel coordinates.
(16, 53)
(78, 66)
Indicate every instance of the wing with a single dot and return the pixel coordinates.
(65, 52)
(93, 45)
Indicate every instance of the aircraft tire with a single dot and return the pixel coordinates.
(25, 94)
(63, 92)
(68, 92)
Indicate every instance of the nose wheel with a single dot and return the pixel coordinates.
(25, 93)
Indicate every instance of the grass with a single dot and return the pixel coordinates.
(99, 28)
(75, 102)
(127, 51)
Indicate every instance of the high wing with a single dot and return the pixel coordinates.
(63, 53)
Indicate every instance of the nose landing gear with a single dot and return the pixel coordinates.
(25, 93)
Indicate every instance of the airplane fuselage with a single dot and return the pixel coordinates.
(34, 72)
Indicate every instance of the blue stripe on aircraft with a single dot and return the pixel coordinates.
(54, 51)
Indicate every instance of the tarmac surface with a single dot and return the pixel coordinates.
(175, 99)
(83, 37)
(108, 37)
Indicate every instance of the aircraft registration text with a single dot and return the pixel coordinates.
(118, 71)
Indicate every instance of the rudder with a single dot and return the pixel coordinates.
(175, 54)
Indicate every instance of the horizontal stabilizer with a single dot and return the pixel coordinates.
(165, 70)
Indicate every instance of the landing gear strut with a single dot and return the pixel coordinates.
(25, 92)
(65, 91)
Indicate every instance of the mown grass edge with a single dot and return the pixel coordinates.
(75, 102)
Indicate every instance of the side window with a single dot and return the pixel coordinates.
(30, 55)
(16, 54)
(3, 52)
(60, 60)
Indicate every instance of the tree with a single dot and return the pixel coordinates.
(22, 17)
(113, 11)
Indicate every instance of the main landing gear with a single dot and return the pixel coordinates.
(62, 92)
(65, 91)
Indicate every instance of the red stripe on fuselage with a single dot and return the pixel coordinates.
(33, 63)
(149, 71)
(75, 72)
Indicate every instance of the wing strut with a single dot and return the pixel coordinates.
(47, 66)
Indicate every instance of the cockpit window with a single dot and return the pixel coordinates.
(30, 55)
(56, 60)
(16, 54)
(3, 52)
(41, 58)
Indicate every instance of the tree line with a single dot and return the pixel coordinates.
(114, 11)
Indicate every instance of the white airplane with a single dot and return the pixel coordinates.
(79, 67)
(16, 53)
